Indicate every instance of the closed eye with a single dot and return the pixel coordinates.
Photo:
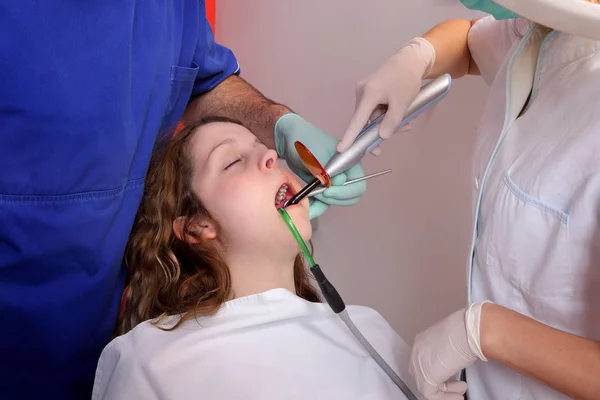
(233, 163)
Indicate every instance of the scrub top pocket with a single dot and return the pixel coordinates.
(532, 240)
(182, 83)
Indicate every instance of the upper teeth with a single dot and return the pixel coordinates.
(281, 193)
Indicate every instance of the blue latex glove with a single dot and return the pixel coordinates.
(291, 128)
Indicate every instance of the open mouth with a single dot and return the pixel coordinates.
(285, 192)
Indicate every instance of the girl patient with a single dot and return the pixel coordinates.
(219, 304)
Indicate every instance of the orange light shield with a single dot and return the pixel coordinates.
(312, 164)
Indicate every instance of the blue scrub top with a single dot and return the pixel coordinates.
(86, 88)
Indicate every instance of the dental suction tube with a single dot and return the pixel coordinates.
(335, 301)
(369, 138)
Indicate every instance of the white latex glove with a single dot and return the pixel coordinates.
(442, 351)
(395, 85)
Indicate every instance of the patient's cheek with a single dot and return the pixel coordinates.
(233, 189)
(237, 195)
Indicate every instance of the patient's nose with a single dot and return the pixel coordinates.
(268, 160)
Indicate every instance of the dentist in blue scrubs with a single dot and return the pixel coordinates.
(88, 89)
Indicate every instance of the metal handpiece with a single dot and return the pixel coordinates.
(369, 138)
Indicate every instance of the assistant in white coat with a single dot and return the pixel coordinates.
(536, 245)
(532, 326)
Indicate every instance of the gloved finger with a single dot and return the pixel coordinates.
(355, 172)
(345, 202)
(357, 122)
(391, 121)
(430, 392)
(347, 192)
(317, 208)
(446, 391)
(376, 151)
(381, 109)
(342, 196)
(445, 396)
(458, 387)
(405, 128)
(350, 191)
(339, 179)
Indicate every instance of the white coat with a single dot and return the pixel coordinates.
(536, 240)
(272, 345)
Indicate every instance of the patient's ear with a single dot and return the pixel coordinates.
(198, 229)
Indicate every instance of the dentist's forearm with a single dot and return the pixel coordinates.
(235, 98)
(452, 55)
(565, 362)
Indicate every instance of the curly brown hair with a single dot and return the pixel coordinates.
(168, 276)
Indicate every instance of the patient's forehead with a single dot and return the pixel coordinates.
(215, 132)
(211, 135)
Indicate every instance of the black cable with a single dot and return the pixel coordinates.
(302, 193)
(332, 297)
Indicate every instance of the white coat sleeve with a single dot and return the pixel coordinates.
(491, 41)
(119, 374)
